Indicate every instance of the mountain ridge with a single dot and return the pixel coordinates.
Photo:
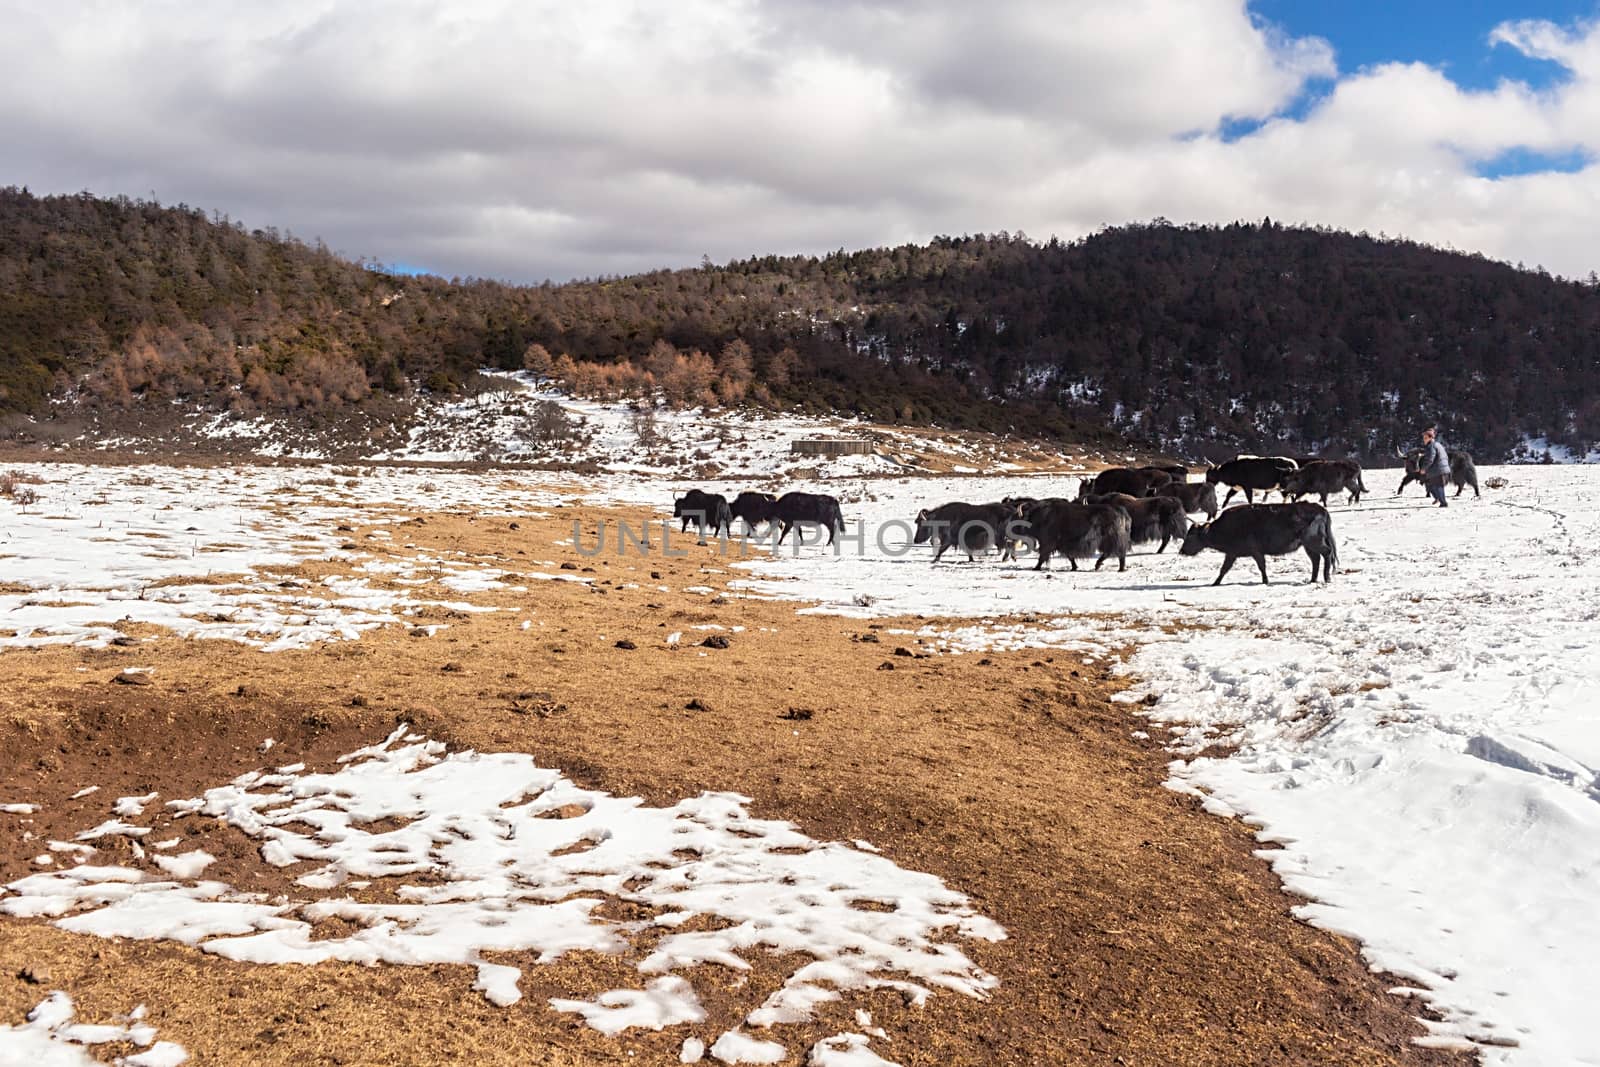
(1197, 339)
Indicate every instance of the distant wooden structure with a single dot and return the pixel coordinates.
(836, 446)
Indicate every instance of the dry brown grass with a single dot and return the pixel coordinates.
(10, 481)
(18, 487)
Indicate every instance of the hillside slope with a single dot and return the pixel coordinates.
(1201, 339)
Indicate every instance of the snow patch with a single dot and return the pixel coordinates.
(502, 875)
(51, 1038)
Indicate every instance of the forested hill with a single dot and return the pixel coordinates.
(1223, 337)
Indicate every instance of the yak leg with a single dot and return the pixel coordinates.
(1261, 561)
(1249, 495)
(942, 546)
(1232, 489)
(784, 532)
(1044, 556)
(1227, 564)
(1315, 552)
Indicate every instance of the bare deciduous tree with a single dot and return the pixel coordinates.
(551, 425)
(643, 421)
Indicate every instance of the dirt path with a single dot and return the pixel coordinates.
(1142, 931)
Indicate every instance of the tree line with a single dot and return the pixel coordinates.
(1197, 338)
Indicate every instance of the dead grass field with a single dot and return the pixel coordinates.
(1142, 931)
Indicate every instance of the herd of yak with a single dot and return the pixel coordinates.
(1115, 510)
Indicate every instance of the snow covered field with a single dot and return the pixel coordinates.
(1418, 742)
(519, 859)
(200, 550)
(503, 424)
(747, 442)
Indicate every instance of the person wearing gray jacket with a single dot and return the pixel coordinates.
(1435, 466)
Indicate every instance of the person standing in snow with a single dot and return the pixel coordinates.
(1434, 465)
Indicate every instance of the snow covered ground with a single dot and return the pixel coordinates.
(502, 424)
(748, 443)
(201, 551)
(53, 1038)
(1418, 741)
(519, 859)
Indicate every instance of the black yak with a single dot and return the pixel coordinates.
(1324, 476)
(1141, 482)
(1149, 517)
(704, 509)
(1077, 531)
(1262, 530)
(754, 508)
(1196, 496)
(970, 527)
(1253, 474)
(1463, 472)
(816, 509)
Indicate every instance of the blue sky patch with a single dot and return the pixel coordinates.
(1452, 35)
(1516, 161)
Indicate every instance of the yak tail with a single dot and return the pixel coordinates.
(1118, 539)
(1333, 547)
(1176, 524)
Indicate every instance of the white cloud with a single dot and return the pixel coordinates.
(559, 139)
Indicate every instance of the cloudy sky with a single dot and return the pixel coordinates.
(530, 140)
